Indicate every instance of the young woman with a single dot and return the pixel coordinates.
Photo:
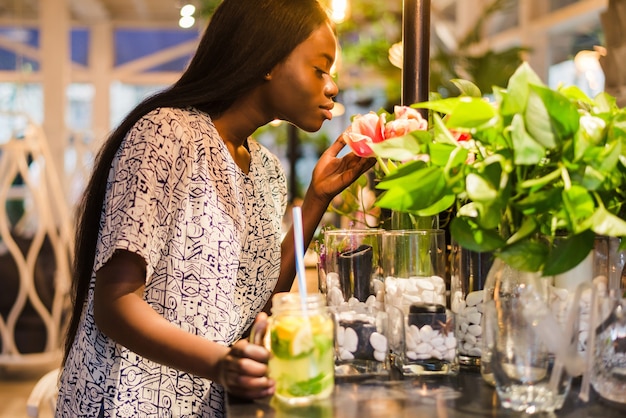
(178, 242)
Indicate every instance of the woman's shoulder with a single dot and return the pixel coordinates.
(183, 125)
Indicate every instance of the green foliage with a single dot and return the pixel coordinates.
(543, 172)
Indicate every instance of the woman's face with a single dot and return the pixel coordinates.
(301, 89)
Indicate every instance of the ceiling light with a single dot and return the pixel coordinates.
(339, 10)
(186, 22)
(187, 10)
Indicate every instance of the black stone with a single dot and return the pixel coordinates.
(432, 314)
(355, 272)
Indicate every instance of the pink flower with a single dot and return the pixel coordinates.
(365, 130)
(374, 128)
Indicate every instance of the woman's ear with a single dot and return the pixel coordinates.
(268, 76)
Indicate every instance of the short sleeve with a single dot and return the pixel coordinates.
(148, 168)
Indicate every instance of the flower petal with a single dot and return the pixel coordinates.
(359, 143)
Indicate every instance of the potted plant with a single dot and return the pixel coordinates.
(533, 173)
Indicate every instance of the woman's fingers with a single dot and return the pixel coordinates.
(244, 371)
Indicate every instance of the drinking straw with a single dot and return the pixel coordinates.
(298, 237)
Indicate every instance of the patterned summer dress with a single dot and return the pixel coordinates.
(210, 235)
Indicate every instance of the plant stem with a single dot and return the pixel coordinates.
(382, 165)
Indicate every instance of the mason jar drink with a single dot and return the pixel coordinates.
(302, 347)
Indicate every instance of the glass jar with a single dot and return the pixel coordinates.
(608, 376)
(302, 345)
(468, 274)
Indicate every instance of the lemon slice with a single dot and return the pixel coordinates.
(302, 341)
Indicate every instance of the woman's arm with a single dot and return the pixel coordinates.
(330, 176)
(122, 314)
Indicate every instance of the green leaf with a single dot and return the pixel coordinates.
(441, 133)
(578, 205)
(464, 111)
(469, 235)
(568, 253)
(418, 191)
(526, 150)
(603, 222)
(400, 149)
(471, 113)
(467, 88)
(516, 95)
(478, 189)
(527, 229)
(563, 113)
(538, 121)
(405, 174)
(440, 154)
(575, 93)
(524, 255)
(540, 201)
(438, 207)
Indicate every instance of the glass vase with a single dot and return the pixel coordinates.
(468, 273)
(528, 355)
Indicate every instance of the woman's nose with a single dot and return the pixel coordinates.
(331, 90)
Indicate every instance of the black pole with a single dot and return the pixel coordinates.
(416, 52)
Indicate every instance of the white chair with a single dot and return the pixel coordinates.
(44, 394)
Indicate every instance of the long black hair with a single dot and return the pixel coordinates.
(244, 40)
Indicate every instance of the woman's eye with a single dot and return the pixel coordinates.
(321, 72)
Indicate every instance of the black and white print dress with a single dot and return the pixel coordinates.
(210, 236)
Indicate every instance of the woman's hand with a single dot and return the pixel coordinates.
(333, 174)
(243, 371)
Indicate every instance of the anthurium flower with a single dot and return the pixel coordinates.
(374, 128)
(365, 129)
(407, 119)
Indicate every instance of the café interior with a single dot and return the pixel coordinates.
(70, 70)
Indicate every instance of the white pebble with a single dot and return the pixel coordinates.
(475, 318)
(450, 342)
(475, 330)
(332, 279)
(476, 352)
(346, 355)
(415, 333)
(351, 340)
(340, 333)
(436, 354)
(474, 298)
(335, 297)
(380, 355)
(471, 339)
(437, 341)
(426, 333)
(378, 341)
(423, 348)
